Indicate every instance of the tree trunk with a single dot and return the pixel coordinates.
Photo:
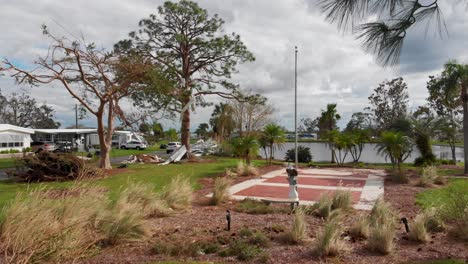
(185, 129)
(465, 125)
(332, 155)
(104, 161)
(454, 155)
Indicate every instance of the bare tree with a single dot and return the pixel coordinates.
(99, 80)
(252, 115)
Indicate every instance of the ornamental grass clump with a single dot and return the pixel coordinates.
(324, 206)
(221, 190)
(342, 199)
(360, 228)
(382, 233)
(178, 193)
(144, 197)
(298, 232)
(418, 230)
(328, 239)
(246, 169)
(428, 176)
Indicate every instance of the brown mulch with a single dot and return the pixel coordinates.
(205, 222)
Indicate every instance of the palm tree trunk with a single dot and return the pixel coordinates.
(465, 126)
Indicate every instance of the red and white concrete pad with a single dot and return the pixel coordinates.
(366, 186)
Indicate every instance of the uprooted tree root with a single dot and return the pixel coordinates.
(48, 166)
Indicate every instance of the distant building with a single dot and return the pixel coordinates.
(14, 137)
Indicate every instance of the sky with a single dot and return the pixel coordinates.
(332, 68)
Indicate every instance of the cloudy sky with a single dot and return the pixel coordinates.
(332, 68)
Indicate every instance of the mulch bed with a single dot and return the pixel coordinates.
(208, 222)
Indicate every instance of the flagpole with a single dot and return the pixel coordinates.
(295, 107)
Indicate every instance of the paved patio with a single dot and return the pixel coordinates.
(365, 185)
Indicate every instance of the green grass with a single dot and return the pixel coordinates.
(151, 174)
(7, 163)
(127, 152)
(438, 197)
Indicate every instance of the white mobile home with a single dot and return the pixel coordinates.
(14, 137)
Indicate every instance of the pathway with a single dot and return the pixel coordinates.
(365, 185)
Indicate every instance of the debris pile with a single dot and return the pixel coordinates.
(143, 158)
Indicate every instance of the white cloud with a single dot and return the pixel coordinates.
(332, 66)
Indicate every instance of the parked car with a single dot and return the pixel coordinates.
(63, 146)
(171, 146)
(134, 145)
(39, 146)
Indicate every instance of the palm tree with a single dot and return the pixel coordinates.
(221, 121)
(396, 146)
(245, 147)
(274, 137)
(458, 77)
(327, 122)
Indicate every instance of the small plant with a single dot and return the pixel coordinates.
(342, 199)
(324, 206)
(303, 155)
(221, 190)
(245, 232)
(381, 238)
(180, 248)
(259, 239)
(242, 250)
(246, 169)
(418, 231)
(178, 193)
(328, 241)
(298, 232)
(433, 221)
(143, 196)
(382, 213)
(360, 228)
(251, 170)
(428, 176)
(240, 169)
(230, 174)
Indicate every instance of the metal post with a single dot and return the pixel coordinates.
(295, 107)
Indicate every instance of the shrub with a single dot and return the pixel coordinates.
(303, 155)
(428, 176)
(328, 242)
(251, 170)
(178, 193)
(381, 238)
(342, 200)
(242, 250)
(143, 196)
(43, 226)
(246, 169)
(245, 232)
(260, 239)
(220, 190)
(298, 232)
(418, 231)
(360, 228)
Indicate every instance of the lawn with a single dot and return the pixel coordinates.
(7, 163)
(157, 176)
(439, 197)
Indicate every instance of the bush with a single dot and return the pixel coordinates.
(298, 232)
(342, 199)
(178, 193)
(220, 190)
(418, 231)
(303, 155)
(433, 221)
(381, 238)
(328, 242)
(48, 166)
(360, 228)
(47, 226)
(9, 151)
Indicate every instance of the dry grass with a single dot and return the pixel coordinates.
(220, 190)
(38, 228)
(178, 193)
(324, 206)
(418, 231)
(328, 240)
(382, 213)
(360, 228)
(342, 199)
(428, 176)
(298, 232)
(246, 169)
(381, 238)
(144, 197)
(433, 220)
